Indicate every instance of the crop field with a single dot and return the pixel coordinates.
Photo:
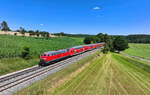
(139, 50)
(110, 74)
(11, 46)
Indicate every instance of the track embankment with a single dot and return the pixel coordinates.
(54, 80)
(13, 82)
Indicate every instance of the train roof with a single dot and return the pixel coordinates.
(59, 51)
(76, 46)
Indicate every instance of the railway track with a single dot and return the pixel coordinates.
(9, 81)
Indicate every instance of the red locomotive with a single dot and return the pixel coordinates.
(53, 56)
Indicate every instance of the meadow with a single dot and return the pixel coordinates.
(111, 74)
(12, 46)
(139, 50)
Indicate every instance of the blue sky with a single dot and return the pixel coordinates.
(78, 16)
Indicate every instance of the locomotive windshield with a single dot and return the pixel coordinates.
(43, 54)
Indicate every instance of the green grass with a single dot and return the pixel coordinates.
(8, 65)
(110, 74)
(139, 50)
(11, 46)
(43, 86)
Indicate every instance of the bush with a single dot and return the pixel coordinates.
(91, 39)
(87, 40)
(26, 53)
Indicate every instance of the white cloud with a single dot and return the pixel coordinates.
(96, 8)
(41, 24)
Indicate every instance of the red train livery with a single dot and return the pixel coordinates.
(53, 56)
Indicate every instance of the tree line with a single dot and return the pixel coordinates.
(142, 38)
(112, 43)
(4, 27)
(137, 38)
(72, 35)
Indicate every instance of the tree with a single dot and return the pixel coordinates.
(37, 33)
(87, 40)
(120, 44)
(22, 30)
(47, 35)
(4, 26)
(101, 37)
(31, 32)
(62, 34)
(106, 48)
(26, 53)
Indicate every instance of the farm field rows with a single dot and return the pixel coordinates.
(11, 46)
(139, 50)
(110, 74)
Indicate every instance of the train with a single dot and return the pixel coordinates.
(49, 57)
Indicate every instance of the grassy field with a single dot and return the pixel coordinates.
(8, 65)
(110, 74)
(44, 86)
(139, 50)
(11, 46)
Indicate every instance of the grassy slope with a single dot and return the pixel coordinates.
(12, 46)
(139, 50)
(44, 86)
(111, 74)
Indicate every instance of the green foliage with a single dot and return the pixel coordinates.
(72, 35)
(37, 32)
(4, 26)
(113, 43)
(11, 46)
(108, 40)
(87, 40)
(106, 48)
(141, 38)
(91, 39)
(22, 30)
(101, 37)
(120, 44)
(31, 32)
(26, 53)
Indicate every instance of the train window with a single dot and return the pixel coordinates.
(53, 54)
(68, 50)
(43, 54)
